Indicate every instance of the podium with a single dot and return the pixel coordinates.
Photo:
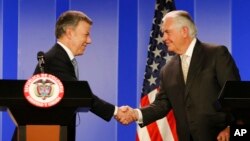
(235, 98)
(52, 123)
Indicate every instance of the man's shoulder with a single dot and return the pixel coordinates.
(210, 45)
(56, 50)
(207, 47)
(171, 61)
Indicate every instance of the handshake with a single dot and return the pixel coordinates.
(126, 115)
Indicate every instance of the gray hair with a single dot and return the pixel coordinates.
(182, 18)
(70, 19)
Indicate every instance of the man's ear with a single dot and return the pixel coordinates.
(69, 32)
(185, 31)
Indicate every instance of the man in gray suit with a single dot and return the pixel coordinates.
(190, 83)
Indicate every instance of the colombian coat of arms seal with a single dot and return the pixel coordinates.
(43, 90)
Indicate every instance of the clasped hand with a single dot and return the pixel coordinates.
(126, 115)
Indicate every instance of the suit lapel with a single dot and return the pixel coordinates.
(195, 65)
(64, 56)
(177, 70)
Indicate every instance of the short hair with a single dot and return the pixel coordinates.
(182, 18)
(70, 18)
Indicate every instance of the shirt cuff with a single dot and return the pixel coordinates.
(140, 118)
(115, 111)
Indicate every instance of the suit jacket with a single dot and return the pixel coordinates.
(193, 103)
(58, 63)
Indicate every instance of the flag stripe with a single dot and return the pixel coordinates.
(142, 134)
(150, 132)
(172, 124)
(154, 132)
(160, 129)
(165, 129)
(152, 128)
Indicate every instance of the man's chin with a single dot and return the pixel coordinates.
(171, 53)
(170, 49)
(79, 54)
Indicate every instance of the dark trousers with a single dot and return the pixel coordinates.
(72, 129)
(191, 138)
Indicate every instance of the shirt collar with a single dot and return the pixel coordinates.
(190, 49)
(70, 54)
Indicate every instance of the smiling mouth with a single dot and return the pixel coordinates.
(167, 43)
(84, 46)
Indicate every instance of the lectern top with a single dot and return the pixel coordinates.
(235, 90)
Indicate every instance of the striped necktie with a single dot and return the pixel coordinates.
(74, 62)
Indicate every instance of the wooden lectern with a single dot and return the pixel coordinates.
(44, 124)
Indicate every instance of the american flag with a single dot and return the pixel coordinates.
(165, 128)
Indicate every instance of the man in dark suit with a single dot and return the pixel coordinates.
(190, 83)
(73, 36)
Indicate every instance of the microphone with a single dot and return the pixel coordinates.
(41, 61)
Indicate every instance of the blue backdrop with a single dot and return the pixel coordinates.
(114, 63)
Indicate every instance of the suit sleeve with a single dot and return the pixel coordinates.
(102, 108)
(226, 68)
(159, 108)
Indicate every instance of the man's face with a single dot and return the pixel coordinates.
(80, 38)
(172, 36)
